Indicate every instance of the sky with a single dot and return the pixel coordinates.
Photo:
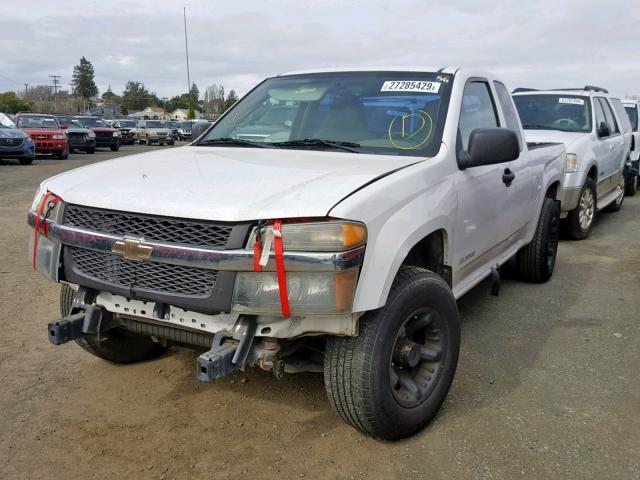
(543, 44)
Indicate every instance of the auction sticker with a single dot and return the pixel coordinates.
(410, 86)
(572, 101)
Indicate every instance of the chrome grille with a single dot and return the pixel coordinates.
(151, 228)
(159, 277)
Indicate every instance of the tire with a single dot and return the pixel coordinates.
(631, 186)
(63, 155)
(536, 260)
(115, 148)
(91, 151)
(116, 345)
(25, 161)
(369, 387)
(578, 230)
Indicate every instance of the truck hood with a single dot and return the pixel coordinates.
(225, 183)
(555, 136)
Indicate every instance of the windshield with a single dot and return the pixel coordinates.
(127, 123)
(567, 113)
(632, 113)
(392, 113)
(37, 121)
(186, 124)
(154, 125)
(93, 122)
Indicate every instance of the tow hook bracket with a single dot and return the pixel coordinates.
(227, 355)
(83, 320)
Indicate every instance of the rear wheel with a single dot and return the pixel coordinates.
(116, 345)
(392, 379)
(581, 218)
(536, 260)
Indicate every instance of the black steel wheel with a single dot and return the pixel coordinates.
(391, 379)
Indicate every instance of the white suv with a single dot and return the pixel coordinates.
(589, 125)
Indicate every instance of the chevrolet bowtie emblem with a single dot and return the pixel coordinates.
(132, 249)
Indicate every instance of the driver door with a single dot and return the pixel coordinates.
(482, 224)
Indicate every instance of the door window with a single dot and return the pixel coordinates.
(608, 115)
(477, 111)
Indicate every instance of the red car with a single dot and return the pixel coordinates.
(46, 133)
(106, 137)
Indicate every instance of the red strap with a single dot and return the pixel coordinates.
(36, 226)
(257, 251)
(45, 225)
(282, 276)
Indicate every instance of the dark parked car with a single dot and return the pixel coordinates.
(14, 143)
(184, 130)
(80, 138)
(106, 137)
(128, 130)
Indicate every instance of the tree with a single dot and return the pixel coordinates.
(108, 96)
(214, 99)
(136, 97)
(194, 94)
(83, 80)
(11, 103)
(231, 99)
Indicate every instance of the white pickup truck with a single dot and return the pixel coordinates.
(327, 222)
(587, 122)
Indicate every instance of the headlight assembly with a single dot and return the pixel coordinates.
(91, 134)
(330, 236)
(59, 136)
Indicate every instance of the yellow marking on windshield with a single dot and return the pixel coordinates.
(409, 132)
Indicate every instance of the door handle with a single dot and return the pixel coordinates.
(508, 176)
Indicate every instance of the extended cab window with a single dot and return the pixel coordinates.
(388, 113)
(510, 115)
(477, 111)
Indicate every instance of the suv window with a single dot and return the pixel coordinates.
(608, 115)
(632, 112)
(477, 111)
(510, 115)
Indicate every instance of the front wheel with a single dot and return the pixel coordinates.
(392, 379)
(115, 148)
(580, 219)
(536, 260)
(25, 161)
(91, 150)
(63, 155)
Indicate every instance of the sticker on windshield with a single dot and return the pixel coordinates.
(572, 101)
(410, 86)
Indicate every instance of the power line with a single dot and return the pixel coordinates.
(56, 83)
(186, 48)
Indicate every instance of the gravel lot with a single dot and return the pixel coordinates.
(547, 385)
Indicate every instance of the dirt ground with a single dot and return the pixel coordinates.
(547, 385)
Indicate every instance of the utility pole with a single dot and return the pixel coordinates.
(164, 99)
(56, 84)
(186, 48)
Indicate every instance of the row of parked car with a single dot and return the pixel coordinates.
(26, 135)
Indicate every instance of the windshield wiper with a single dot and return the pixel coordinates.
(318, 142)
(231, 141)
(538, 126)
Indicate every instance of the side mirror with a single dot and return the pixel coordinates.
(604, 130)
(64, 126)
(198, 129)
(488, 146)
